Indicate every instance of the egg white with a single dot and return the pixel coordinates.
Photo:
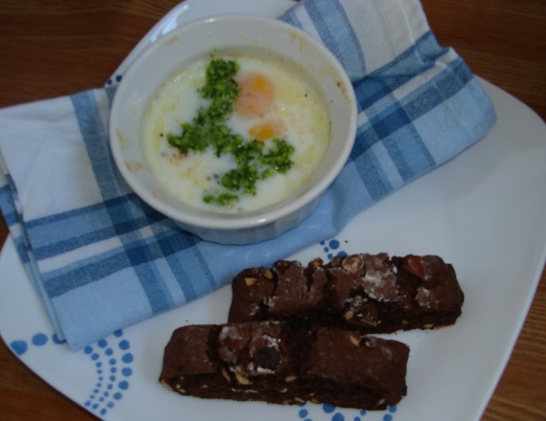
(189, 177)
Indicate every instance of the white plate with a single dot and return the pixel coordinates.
(483, 211)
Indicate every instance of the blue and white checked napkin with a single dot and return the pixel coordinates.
(102, 260)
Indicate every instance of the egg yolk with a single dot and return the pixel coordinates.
(257, 95)
(268, 129)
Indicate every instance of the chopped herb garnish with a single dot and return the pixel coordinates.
(222, 88)
(223, 199)
(254, 160)
(278, 156)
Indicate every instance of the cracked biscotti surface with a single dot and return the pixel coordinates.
(373, 293)
(273, 362)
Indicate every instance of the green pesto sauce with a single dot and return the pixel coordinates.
(254, 161)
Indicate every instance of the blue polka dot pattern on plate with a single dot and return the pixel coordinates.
(39, 339)
(20, 346)
(111, 357)
(338, 417)
(328, 408)
(332, 248)
(311, 412)
(114, 80)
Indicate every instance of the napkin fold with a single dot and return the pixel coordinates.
(101, 259)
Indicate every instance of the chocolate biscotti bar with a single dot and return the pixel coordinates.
(373, 293)
(273, 362)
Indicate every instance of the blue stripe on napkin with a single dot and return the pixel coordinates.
(95, 136)
(337, 34)
(11, 216)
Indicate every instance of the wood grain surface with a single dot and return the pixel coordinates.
(51, 48)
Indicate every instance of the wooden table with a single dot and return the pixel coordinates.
(57, 47)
